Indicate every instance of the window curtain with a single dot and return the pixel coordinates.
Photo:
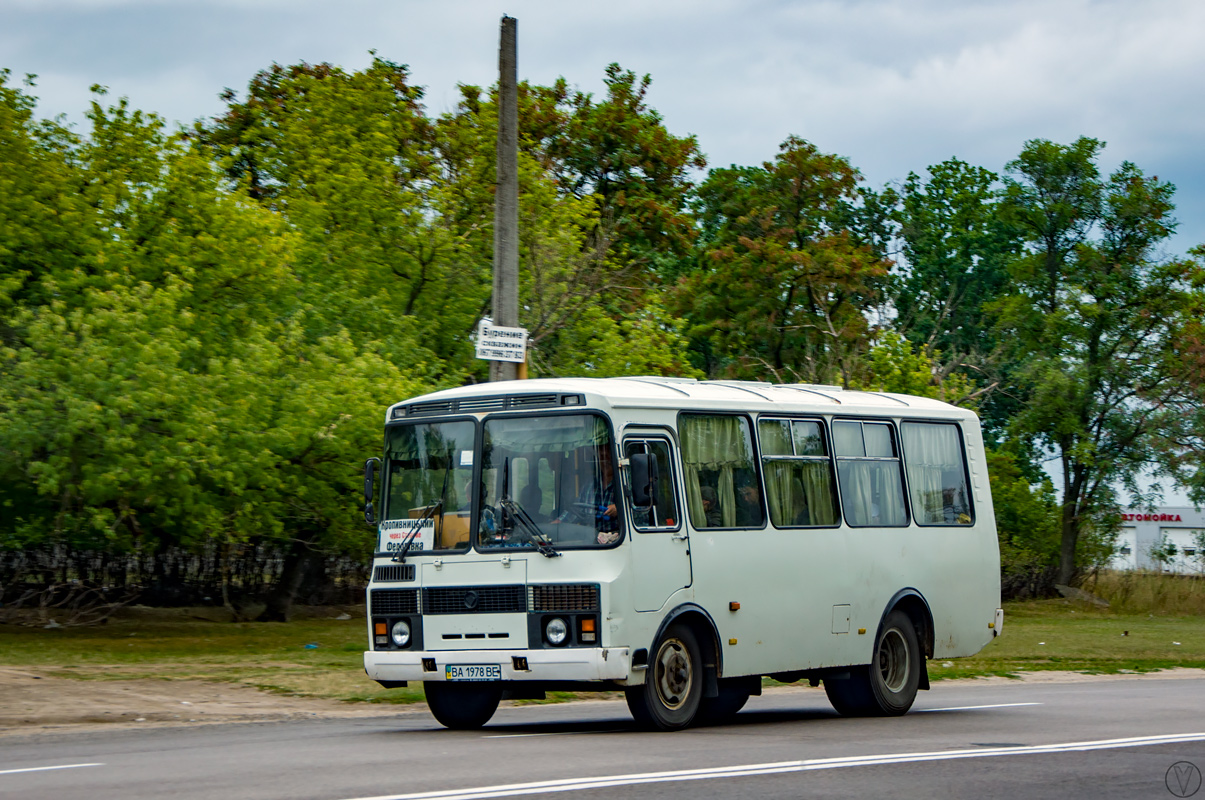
(872, 494)
(720, 444)
(933, 452)
(780, 492)
(793, 486)
(817, 481)
(775, 437)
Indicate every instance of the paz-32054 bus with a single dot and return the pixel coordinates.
(677, 540)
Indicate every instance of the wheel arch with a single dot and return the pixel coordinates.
(913, 603)
(708, 635)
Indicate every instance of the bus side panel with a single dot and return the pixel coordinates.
(786, 583)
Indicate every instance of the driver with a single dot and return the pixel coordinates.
(596, 500)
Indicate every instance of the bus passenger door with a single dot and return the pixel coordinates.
(660, 546)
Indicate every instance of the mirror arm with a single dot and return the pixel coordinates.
(370, 472)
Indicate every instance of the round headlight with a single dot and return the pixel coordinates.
(401, 633)
(556, 631)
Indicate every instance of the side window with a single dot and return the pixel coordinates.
(937, 476)
(868, 469)
(720, 472)
(800, 489)
(663, 515)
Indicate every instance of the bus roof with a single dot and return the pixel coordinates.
(660, 392)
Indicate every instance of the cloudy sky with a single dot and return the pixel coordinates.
(893, 85)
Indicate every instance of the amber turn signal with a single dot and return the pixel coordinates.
(734, 606)
(380, 628)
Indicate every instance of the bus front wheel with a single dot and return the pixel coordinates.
(886, 687)
(673, 684)
(733, 694)
(462, 706)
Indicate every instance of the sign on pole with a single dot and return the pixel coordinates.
(495, 343)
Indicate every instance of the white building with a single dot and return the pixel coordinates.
(1144, 530)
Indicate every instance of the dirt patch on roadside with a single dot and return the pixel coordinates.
(32, 700)
(1060, 676)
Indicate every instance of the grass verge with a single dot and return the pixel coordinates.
(321, 656)
(1070, 635)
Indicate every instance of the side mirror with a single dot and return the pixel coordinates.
(370, 473)
(643, 468)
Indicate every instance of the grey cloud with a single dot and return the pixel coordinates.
(894, 85)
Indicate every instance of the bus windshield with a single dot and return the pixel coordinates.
(559, 470)
(429, 477)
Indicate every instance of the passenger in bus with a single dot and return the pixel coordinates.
(531, 498)
(803, 514)
(711, 507)
(748, 506)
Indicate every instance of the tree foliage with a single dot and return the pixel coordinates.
(199, 329)
(1095, 319)
(783, 285)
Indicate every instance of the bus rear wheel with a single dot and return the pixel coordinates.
(462, 706)
(887, 687)
(673, 684)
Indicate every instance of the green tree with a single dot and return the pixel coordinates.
(783, 285)
(956, 249)
(618, 151)
(1094, 320)
(603, 186)
(894, 364)
(1027, 525)
(45, 228)
(172, 388)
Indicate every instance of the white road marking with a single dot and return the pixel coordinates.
(44, 769)
(746, 770)
(975, 708)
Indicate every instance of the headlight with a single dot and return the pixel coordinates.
(556, 631)
(401, 633)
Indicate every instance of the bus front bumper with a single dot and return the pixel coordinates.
(569, 664)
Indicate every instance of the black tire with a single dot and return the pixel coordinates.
(731, 699)
(462, 706)
(673, 685)
(887, 687)
(851, 696)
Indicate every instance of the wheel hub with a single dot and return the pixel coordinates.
(673, 674)
(893, 660)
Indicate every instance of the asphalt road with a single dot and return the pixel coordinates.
(1105, 739)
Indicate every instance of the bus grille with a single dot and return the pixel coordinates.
(482, 404)
(474, 600)
(394, 572)
(395, 601)
(564, 597)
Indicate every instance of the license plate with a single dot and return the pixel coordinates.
(473, 672)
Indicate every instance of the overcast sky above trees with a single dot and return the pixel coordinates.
(894, 85)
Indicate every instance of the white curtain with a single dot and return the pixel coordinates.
(872, 493)
(936, 479)
(714, 443)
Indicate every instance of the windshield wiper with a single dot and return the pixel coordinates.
(530, 528)
(517, 513)
(438, 505)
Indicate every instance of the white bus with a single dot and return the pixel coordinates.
(677, 540)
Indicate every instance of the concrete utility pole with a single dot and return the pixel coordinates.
(506, 198)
